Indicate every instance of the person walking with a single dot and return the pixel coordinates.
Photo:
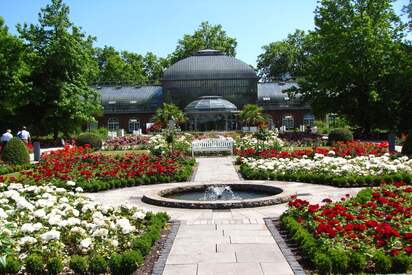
(5, 138)
(24, 135)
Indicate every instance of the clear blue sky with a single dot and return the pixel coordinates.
(156, 25)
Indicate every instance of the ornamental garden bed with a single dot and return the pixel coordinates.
(347, 164)
(96, 171)
(47, 229)
(13, 168)
(370, 233)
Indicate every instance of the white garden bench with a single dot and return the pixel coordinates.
(212, 145)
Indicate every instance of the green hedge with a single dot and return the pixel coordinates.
(328, 260)
(8, 169)
(15, 152)
(325, 179)
(94, 140)
(339, 134)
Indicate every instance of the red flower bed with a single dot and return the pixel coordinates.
(377, 219)
(342, 149)
(81, 165)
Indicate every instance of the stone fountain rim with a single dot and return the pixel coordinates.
(156, 197)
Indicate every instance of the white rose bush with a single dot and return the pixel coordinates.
(50, 229)
(330, 169)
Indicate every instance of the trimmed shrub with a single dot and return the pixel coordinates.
(13, 265)
(92, 139)
(131, 260)
(79, 264)
(357, 262)
(143, 244)
(407, 145)
(401, 263)
(98, 265)
(383, 263)
(34, 264)
(322, 263)
(340, 134)
(15, 152)
(115, 264)
(54, 265)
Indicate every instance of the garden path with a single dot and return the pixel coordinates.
(223, 242)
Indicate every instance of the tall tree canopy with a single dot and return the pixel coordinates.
(356, 59)
(62, 67)
(282, 60)
(128, 67)
(207, 36)
(14, 72)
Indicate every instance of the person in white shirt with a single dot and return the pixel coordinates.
(24, 135)
(5, 138)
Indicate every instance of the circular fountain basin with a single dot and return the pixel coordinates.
(191, 195)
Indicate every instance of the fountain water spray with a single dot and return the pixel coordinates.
(215, 193)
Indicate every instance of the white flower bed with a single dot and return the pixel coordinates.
(335, 166)
(54, 221)
(158, 144)
(250, 141)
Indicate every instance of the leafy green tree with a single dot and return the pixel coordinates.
(169, 112)
(252, 115)
(112, 67)
(207, 36)
(14, 72)
(154, 67)
(282, 60)
(62, 64)
(354, 60)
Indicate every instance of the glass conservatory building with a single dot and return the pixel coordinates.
(211, 88)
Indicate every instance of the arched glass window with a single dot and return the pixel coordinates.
(309, 120)
(288, 122)
(134, 124)
(113, 124)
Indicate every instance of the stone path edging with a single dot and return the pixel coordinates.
(287, 253)
(160, 264)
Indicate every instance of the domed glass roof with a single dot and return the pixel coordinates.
(210, 104)
(209, 64)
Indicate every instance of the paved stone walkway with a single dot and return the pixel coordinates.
(223, 242)
(216, 169)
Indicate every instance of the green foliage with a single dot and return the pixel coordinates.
(322, 262)
(54, 265)
(357, 64)
(383, 263)
(357, 262)
(282, 59)
(98, 265)
(34, 264)
(79, 264)
(101, 132)
(14, 71)
(207, 36)
(130, 261)
(15, 152)
(143, 244)
(168, 112)
(115, 263)
(407, 145)
(339, 134)
(401, 263)
(251, 115)
(126, 263)
(12, 265)
(62, 68)
(340, 261)
(92, 139)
